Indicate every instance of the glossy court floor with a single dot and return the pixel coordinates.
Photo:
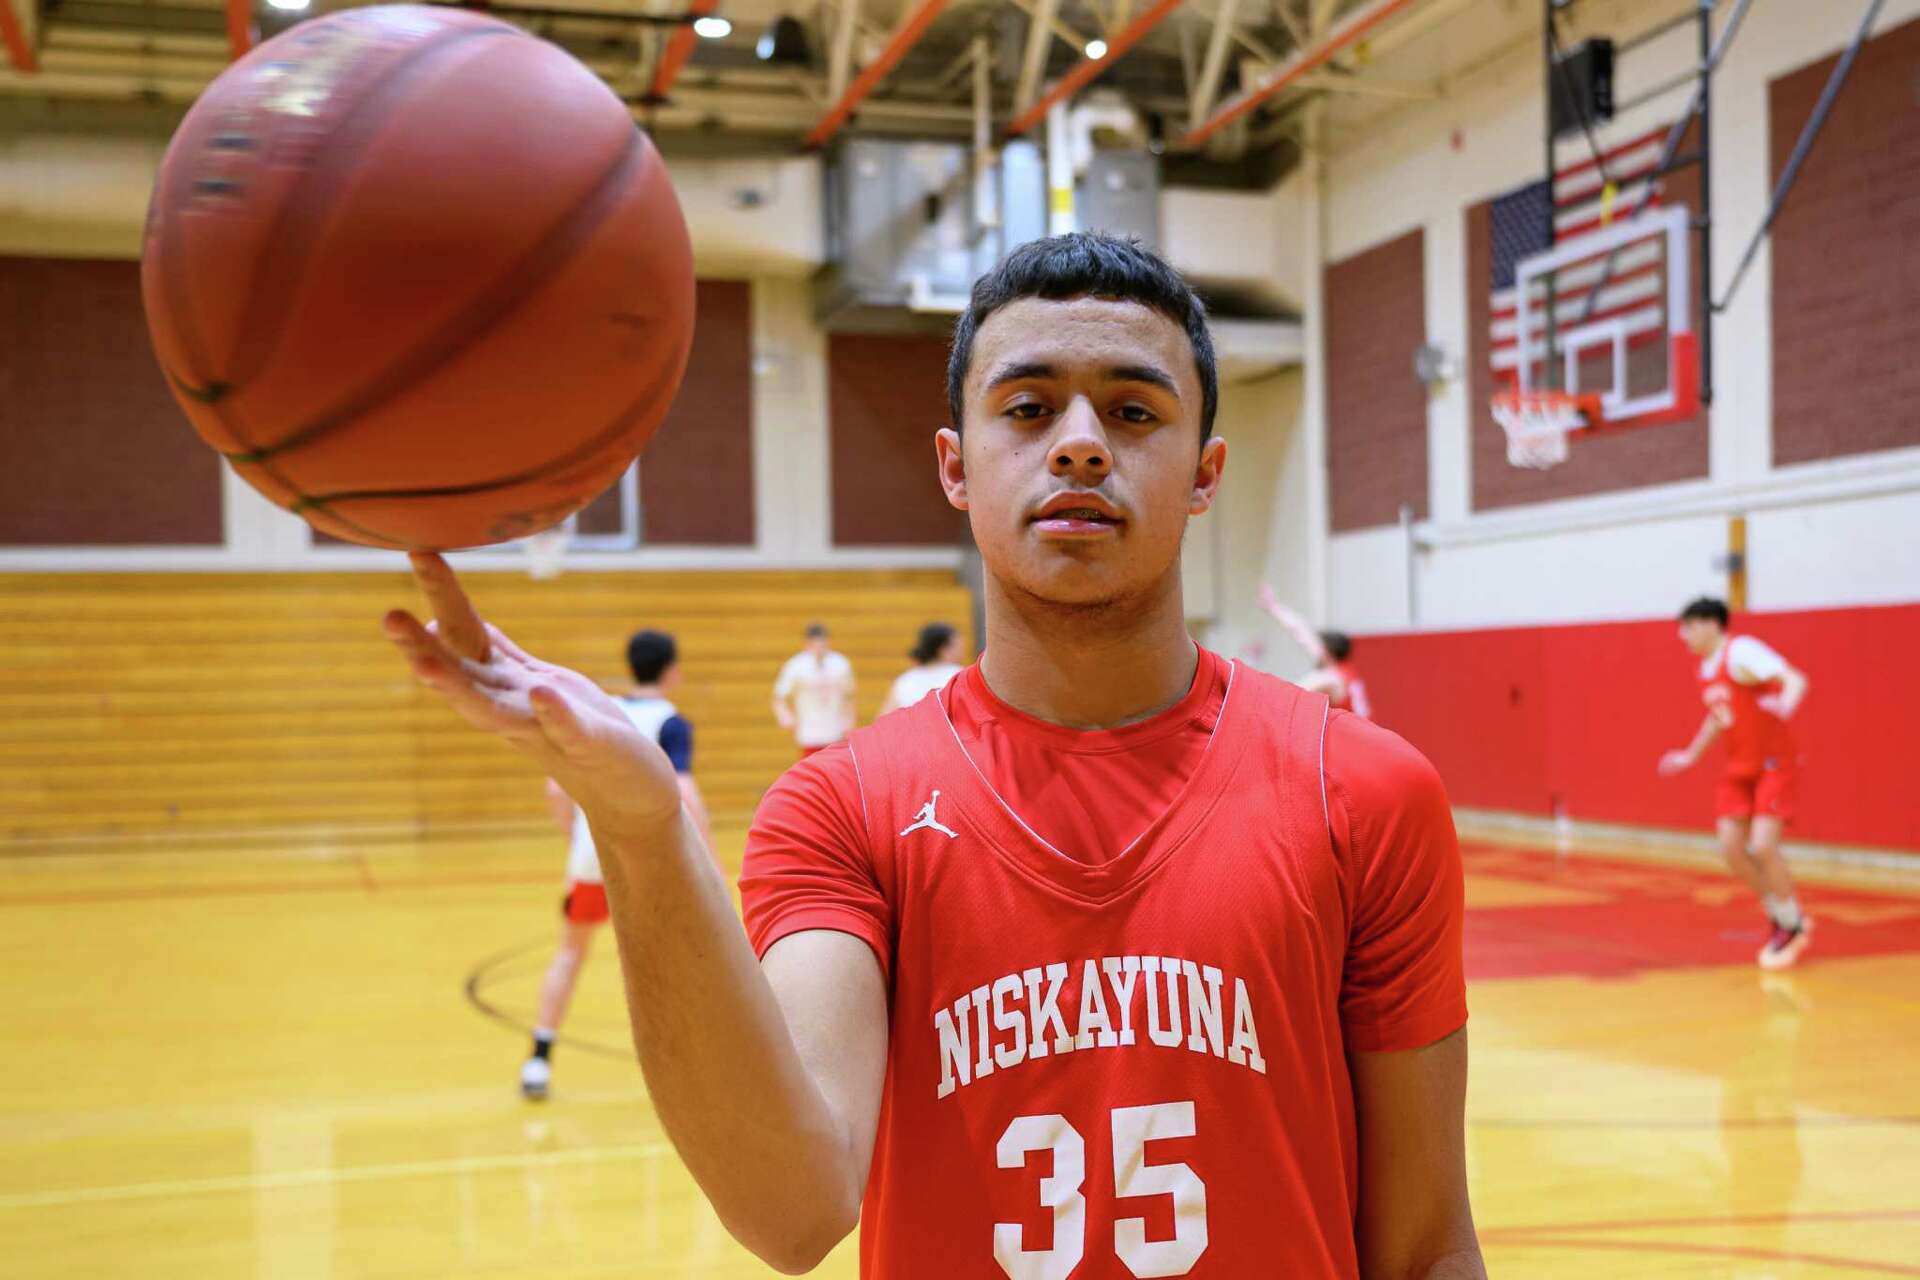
(297, 1066)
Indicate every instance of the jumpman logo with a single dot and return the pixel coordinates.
(926, 821)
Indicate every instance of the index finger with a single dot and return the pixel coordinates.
(460, 627)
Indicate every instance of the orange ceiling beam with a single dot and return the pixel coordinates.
(1077, 79)
(904, 37)
(19, 52)
(1356, 29)
(679, 49)
(239, 27)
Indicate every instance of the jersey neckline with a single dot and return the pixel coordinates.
(988, 813)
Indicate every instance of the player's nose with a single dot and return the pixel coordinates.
(1079, 448)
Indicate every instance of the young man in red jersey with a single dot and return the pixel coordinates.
(1332, 652)
(1751, 692)
(1114, 959)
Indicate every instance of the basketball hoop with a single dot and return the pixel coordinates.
(1537, 424)
(547, 550)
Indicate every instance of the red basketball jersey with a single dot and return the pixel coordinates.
(1136, 1067)
(1755, 736)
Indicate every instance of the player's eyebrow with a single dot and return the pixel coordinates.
(1023, 370)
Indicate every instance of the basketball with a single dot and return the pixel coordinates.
(419, 278)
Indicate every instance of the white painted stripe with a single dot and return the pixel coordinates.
(1506, 355)
(1567, 306)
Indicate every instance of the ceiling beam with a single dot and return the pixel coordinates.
(840, 60)
(912, 26)
(1033, 61)
(239, 27)
(19, 49)
(1298, 65)
(679, 49)
(1207, 85)
(1091, 68)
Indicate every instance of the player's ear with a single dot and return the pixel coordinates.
(953, 469)
(1206, 476)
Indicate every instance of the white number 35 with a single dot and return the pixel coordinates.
(1133, 1128)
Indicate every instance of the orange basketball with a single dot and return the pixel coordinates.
(419, 278)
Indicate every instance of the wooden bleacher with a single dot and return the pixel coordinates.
(155, 709)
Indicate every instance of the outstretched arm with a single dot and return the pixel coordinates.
(1295, 625)
(1680, 761)
(767, 1079)
(1793, 691)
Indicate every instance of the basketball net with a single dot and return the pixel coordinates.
(1538, 423)
(547, 550)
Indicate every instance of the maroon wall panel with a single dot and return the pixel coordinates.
(1846, 267)
(1376, 309)
(1515, 718)
(696, 478)
(1605, 463)
(97, 452)
(886, 396)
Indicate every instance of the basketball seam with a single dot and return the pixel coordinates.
(556, 247)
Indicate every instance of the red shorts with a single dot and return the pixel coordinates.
(1767, 794)
(585, 903)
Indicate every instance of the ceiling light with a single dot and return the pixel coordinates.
(289, 6)
(1096, 49)
(712, 28)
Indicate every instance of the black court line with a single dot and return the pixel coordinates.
(490, 968)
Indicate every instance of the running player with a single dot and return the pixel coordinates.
(1751, 692)
(655, 662)
(1332, 652)
(936, 660)
(1115, 958)
(813, 694)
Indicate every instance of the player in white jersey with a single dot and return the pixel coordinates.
(813, 696)
(936, 660)
(654, 661)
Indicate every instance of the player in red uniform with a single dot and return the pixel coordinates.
(1751, 692)
(1116, 958)
(1332, 652)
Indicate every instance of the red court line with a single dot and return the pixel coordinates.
(1707, 1250)
(270, 888)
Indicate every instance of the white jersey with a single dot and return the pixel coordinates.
(916, 683)
(818, 687)
(649, 715)
(1750, 660)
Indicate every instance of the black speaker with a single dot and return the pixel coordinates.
(1582, 87)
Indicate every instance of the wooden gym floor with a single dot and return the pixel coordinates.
(297, 1066)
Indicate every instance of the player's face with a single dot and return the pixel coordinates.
(1699, 635)
(1081, 460)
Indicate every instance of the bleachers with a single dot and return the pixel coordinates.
(149, 709)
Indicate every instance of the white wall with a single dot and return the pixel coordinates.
(1841, 532)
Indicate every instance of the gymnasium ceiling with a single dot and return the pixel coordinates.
(100, 61)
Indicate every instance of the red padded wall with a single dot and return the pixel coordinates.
(1515, 717)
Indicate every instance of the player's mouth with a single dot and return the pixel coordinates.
(1076, 515)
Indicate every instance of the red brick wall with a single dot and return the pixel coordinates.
(97, 452)
(1846, 258)
(1604, 463)
(886, 396)
(1376, 310)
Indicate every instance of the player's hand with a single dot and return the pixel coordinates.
(1775, 704)
(1675, 762)
(564, 721)
(1270, 602)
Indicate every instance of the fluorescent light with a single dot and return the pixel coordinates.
(1096, 49)
(290, 6)
(711, 28)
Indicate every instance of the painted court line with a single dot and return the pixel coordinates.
(325, 1177)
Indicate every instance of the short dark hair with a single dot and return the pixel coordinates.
(1085, 264)
(1338, 643)
(650, 654)
(816, 631)
(1707, 609)
(933, 638)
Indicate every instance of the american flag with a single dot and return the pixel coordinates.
(1634, 283)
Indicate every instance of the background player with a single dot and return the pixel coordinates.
(813, 695)
(1254, 928)
(936, 660)
(654, 660)
(1332, 652)
(1751, 692)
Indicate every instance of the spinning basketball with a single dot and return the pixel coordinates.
(419, 278)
